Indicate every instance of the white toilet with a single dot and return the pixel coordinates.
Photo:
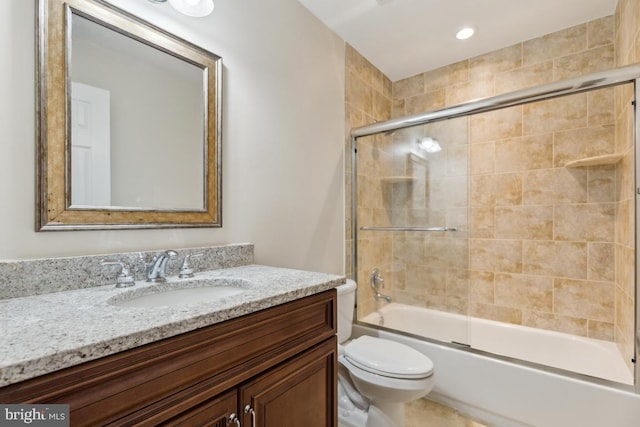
(376, 377)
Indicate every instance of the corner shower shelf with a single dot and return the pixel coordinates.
(398, 179)
(607, 159)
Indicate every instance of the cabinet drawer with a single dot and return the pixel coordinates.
(194, 366)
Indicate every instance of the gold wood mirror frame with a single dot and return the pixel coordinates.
(54, 208)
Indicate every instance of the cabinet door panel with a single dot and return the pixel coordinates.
(214, 413)
(301, 392)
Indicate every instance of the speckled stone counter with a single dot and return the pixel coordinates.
(45, 333)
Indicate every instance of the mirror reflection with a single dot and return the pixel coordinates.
(136, 125)
(128, 123)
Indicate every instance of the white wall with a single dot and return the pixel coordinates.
(283, 133)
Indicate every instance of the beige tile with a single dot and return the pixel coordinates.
(446, 76)
(409, 250)
(579, 64)
(601, 184)
(411, 86)
(549, 258)
(482, 222)
(601, 261)
(624, 223)
(446, 303)
(520, 291)
(601, 106)
(453, 131)
(525, 77)
(494, 125)
(585, 222)
(424, 412)
(551, 186)
(625, 268)
(524, 222)
(553, 322)
(524, 153)
(625, 184)
(437, 79)
(481, 286)
(469, 91)
(381, 106)
(457, 159)
(624, 316)
(448, 192)
(458, 72)
(482, 159)
(459, 219)
(554, 45)
(496, 190)
(446, 253)
(458, 283)
(497, 313)
(582, 143)
(425, 279)
(600, 32)
(426, 102)
(360, 95)
(601, 330)
(397, 108)
(496, 255)
(624, 129)
(495, 62)
(584, 299)
(569, 112)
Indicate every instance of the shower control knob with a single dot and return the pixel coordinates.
(376, 279)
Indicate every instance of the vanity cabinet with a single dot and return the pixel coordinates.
(275, 367)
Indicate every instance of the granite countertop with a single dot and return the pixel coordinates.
(44, 333)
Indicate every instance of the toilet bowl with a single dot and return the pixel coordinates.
(376, 376)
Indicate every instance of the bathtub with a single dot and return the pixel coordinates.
(506, 392)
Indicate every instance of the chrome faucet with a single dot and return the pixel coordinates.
(377, 282)
(157, 270)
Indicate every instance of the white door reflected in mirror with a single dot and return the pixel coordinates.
(90, 146)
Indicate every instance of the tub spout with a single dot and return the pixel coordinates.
(379, 296)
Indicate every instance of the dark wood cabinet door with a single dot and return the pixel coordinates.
(302, 392)
(217, 412)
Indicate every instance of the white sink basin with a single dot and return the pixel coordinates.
(182, 293)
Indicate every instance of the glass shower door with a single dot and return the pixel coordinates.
(412, 227)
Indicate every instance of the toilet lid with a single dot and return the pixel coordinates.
(388, 358)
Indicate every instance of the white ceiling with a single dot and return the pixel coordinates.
(406, 37)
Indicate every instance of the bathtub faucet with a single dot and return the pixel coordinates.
(377, 282)
(379, 296)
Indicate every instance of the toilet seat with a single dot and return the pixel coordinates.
(387, 358)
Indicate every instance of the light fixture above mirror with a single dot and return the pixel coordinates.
(193, 8)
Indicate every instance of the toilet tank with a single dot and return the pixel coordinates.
(346, 304)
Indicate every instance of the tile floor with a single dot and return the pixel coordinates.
(426, 413)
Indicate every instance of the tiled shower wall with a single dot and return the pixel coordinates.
(516, 160)
(627, 51)
(368, 100)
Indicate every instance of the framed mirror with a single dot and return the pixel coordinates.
(128, 123)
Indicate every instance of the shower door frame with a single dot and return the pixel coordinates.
(589, 82)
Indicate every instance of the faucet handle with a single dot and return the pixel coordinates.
(187, 270)
(124, 279)
(377, 281)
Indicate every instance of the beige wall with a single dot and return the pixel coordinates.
(368, 99)
(549, 246)
(283, 130)
(627, 43)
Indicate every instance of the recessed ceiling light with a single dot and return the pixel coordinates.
(465, 32)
